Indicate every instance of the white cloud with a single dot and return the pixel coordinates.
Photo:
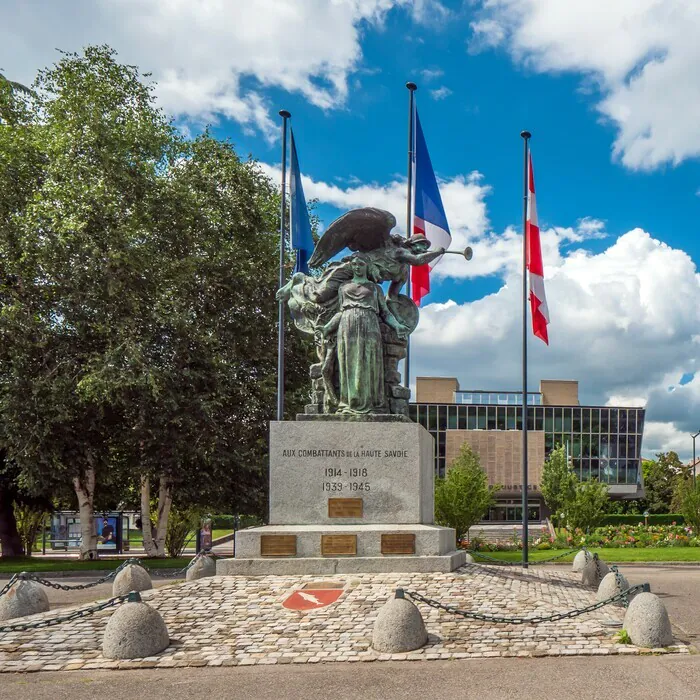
(440, 93)
(429, 74)
(641, 55)
(464, 198)
(209, 57)
(664, 437)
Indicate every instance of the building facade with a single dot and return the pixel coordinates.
(604, 442)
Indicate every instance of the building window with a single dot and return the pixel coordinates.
(567, 420)
(491, 418)
(622, 420)
(549, 420)
(501, 418)
(452, 417)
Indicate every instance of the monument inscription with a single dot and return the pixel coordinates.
(278, 545)
(338, 545)
(345, 507)
(398, 543)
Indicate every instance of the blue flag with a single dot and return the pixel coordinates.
(302, 240)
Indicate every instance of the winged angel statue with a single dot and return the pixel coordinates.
(360, 334)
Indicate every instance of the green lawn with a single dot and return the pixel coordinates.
(609, 555)
(48, 564)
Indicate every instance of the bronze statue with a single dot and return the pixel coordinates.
(360, 335)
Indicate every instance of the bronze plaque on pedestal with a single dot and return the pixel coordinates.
(338, 545)
(344, 507)
(278, 545)
(399, 543)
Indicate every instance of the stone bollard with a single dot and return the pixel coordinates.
(581, 559)
(612, 584)
(135, 631)
(203, 567)
(647, 623)
(399, 626)
(593, 572)
(23, 598)
(131, 578)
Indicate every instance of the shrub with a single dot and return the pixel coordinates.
(180, 524)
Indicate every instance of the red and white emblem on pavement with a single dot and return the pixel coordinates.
(310, 599)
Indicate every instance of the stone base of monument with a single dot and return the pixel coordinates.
(347, 497)
(331, 549)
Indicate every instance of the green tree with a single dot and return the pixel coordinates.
(463, 497)
(202, 378)
(660, 477)
(558, 483)
(687, 495)
(588, 506)
(79, 260)
(138, 323)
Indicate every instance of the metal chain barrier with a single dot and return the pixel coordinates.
(401, 593)
(620, 584)
(26, 576)
(24, 626)
(503, 562)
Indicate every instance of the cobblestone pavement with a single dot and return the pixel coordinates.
(231, 621)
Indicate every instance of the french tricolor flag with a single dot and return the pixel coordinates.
(429, 218)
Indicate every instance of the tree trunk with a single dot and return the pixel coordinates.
(154, 536)
(85, 491)
(10, 540)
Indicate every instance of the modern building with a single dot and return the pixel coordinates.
(603, 441)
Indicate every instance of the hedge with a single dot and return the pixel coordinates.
(652, 519)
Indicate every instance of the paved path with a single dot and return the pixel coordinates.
(231, 621)
(582, 678)
(670, 677)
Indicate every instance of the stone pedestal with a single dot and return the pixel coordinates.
(347, 497)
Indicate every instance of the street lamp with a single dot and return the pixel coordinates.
(694, 436)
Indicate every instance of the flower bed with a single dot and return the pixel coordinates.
(610, 536)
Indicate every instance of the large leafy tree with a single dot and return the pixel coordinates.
(203, 380)
(80, 270)
(138, 319)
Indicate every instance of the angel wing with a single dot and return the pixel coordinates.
(359, 229)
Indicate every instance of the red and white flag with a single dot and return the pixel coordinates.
(538, 300)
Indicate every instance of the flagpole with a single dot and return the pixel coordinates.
(412, 87)
(526, 141)
(283, 250)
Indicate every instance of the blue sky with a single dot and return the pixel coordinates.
(607, 90)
